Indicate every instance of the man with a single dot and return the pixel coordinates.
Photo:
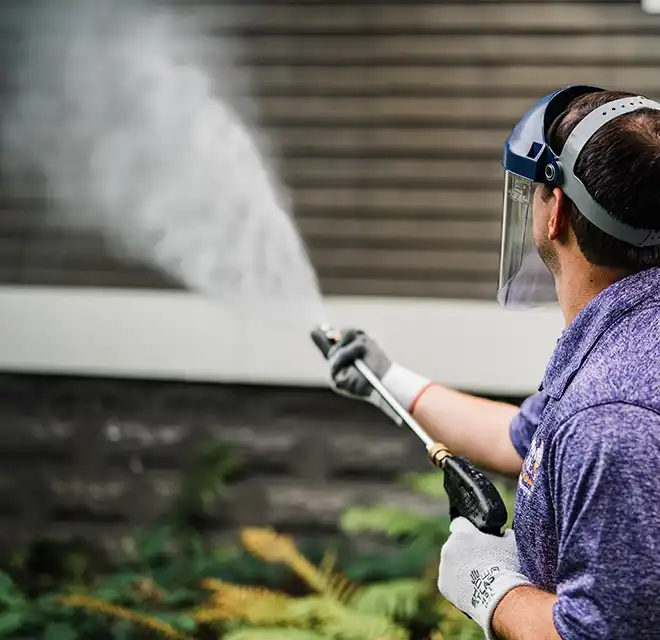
(583, 183)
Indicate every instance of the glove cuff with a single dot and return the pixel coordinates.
(405, 385)
(504, 583)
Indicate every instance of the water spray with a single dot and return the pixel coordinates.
(139, 142)
(144, 127)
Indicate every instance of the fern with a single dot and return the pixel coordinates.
(205, 477)
(266, 633)
(223, 590)
(315, 609)
(122, 613)
(391, 521)
(328, 562)
(248, 604)
(340, 609)
(269, 545)
(455, 626)
(344, 622)
(403, 562)
(353, 625)
(398, 599)
(430, 483)
(319, 612)
(396, 523)
(263, 607)
(273, 547)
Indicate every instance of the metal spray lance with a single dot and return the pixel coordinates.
(471, 493)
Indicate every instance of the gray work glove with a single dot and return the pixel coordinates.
(404, 385)
(477, 570)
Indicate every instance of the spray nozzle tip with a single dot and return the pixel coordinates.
(324, 337)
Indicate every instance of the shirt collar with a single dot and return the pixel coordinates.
(581, 335)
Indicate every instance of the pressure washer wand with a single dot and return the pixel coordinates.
(374, 381)
(471, 494)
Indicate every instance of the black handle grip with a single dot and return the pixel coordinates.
(472, 495)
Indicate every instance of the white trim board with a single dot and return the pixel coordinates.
(182, 336)
(651, 6)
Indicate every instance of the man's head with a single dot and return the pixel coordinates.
(620, 168)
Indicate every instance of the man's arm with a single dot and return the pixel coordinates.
(476, 428)
(473, 427)
(524, 613)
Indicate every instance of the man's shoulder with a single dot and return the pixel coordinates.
(623, 366)
(611, 428)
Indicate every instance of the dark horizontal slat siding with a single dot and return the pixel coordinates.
(387, 121)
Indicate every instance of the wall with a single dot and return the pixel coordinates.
(387, 120)
(97, 457)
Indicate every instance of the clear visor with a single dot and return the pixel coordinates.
(524, 280)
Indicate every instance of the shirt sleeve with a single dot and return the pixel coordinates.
(524, 423)
(606, 486)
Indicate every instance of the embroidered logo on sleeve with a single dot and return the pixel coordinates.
(483, 586)
(531, 465)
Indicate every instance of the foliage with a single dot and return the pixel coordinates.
(57, 590)
(425, 535)
(406, 527)
(171, 583)
(334, 608)
(204, 479)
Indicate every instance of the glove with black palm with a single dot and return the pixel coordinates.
(405, 385)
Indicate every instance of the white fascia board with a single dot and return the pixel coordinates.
(182, 336)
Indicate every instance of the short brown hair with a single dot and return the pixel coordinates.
(620, 168)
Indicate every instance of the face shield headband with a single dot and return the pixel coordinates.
(528, 162)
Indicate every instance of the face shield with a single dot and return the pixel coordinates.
(528, 161)
(524, 280)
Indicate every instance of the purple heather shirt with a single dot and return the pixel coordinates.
(587, 515)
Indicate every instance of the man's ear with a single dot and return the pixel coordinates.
(559, 221)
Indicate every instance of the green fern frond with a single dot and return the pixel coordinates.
(390, 521)
(395, 523)
(336, 585)
(455, 625)
(398, 599)
(328, 562)
(315, 610)
(266, 633)
(343, 622)
(404, 562)
(353, 625)
(430, 483)
(339, 587)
